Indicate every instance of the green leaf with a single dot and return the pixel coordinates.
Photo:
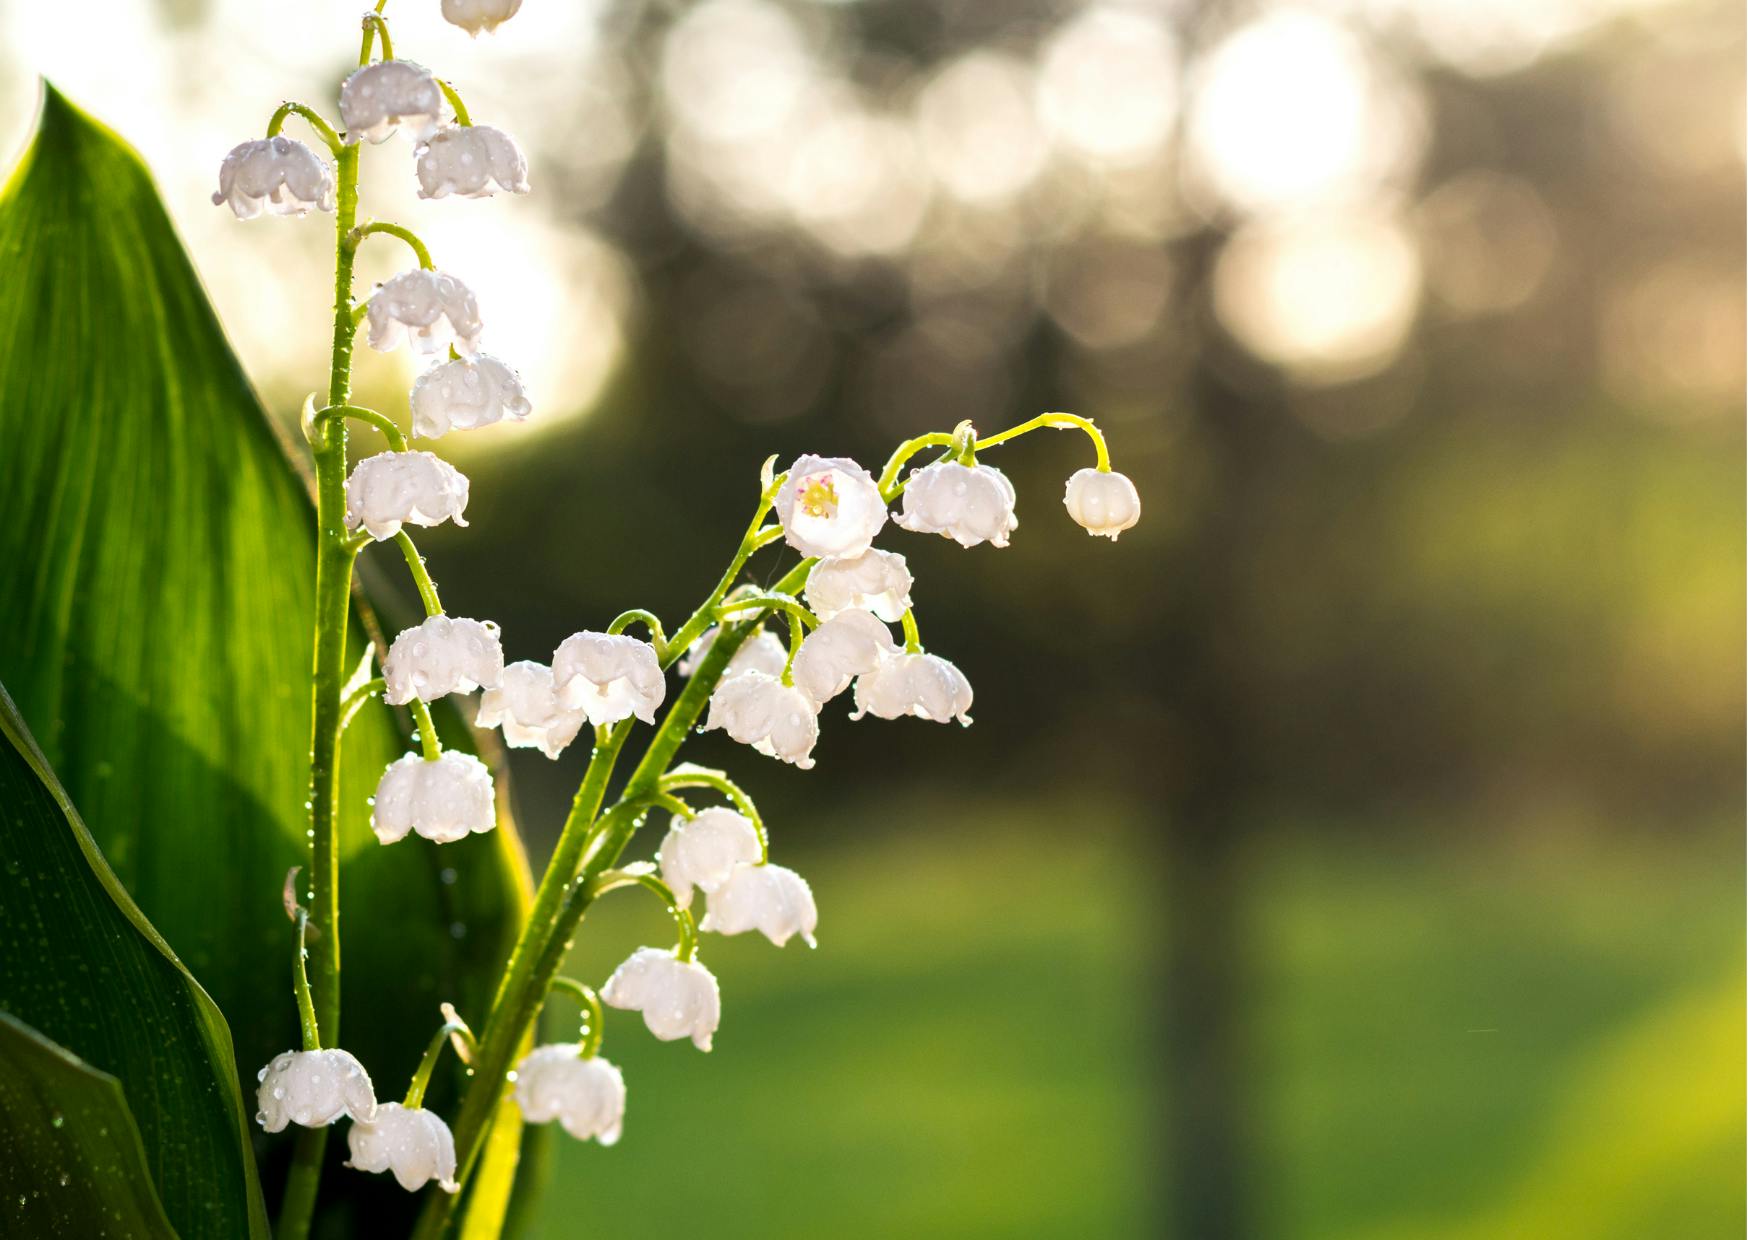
(156, 566)
(70, 1153)
(83, 967)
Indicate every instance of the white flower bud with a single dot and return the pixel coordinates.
(829, 506)
(587, 1096)
(443, 801)
(703, 851)
(465, 393)
(412, 1142)
(678, 998)
(762, 652)
(609, 676)
(430, 310)
(849, 645)
(474, 16)
(313, 1088)
(967, 503)
(776, 902)
(472, 161)
(377, 99)
(392, 488)
(278, 175)
(525, 704)
(914, 684)
(442, 655)
(876, 581)
(1102, 503)
(776, 719)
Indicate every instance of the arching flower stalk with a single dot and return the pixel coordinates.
(764, 685)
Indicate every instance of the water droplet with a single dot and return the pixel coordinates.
(56, 1119)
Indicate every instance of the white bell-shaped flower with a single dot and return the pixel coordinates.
(776, 719)
(474, 16)
(312, 1088)
(440, 656)
(775, 901)
(587, 1096)
(390, 489)
(610, 676)
(970, 504)
(762, 652)
(278, 175)
(429, 310)
(465, 393)
(525, 705)
(472, 161)
(443, 800)
(876, 581)
(412, 1142)
(829, 506)
(849, 645)
(1104, 503)
(702, 852)
(914, 684)
(378, 99)
(678, 998)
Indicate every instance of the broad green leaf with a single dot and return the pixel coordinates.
(71, 1163)
(83, 969)
(156, 593)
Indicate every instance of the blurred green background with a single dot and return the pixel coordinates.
(1353, 850)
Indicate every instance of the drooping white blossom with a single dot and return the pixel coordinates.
(378, 99)
(849, 645)
(312, 1088)
(390, 489)
(472, 161)
(1104, 503)
(412, 1142)
(467, 392)
(703, 851)
(762, 652)
(775, 901)
(429, 310)
(776, 719)
(678, 998)
(278, 175)
(970, 504)
(442, 655)
(610, 676)
(443, 800)
(914, 684)
(829, 506)
(876, 581)
(587, 1096)
(526, 706)
(474, 16)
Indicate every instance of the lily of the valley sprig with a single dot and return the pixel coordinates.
(762, 664)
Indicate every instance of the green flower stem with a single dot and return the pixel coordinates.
(594, 1024)
(428, 742)
(797, 635)
(316, 121)
(657, 637)
(375, 23)
(358, 413)
(358, 697)
(768, 601)
(889, 476)
(613, 880)
(450, 93)
(756, 537)
(963, 444)
(421, 578)
(300, 984)
(1058, 421)
(913, 642)
(687, 775)
(428, 1062)
(674, 805)
(333, 599)
(356, 238)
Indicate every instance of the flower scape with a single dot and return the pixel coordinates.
(767, 688)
